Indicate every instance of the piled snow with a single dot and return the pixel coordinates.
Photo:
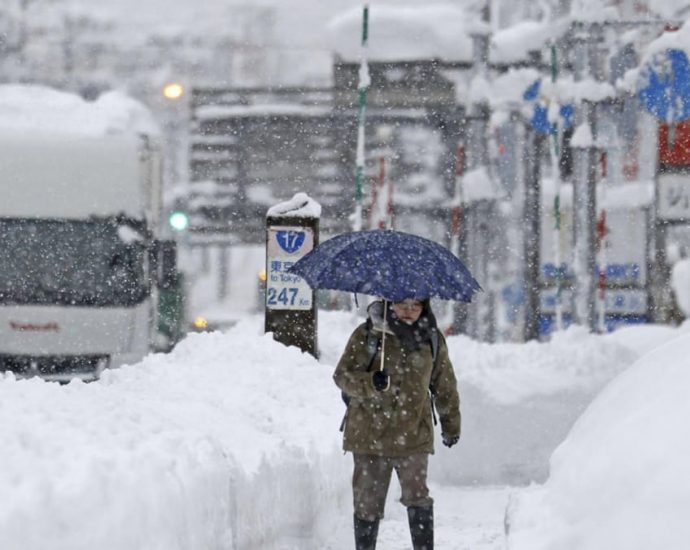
(40, 110)
(570, 91)
(520, 400)
(620, 479)
(231, 441)
(439, 31)
(508, 89)
(640, 339)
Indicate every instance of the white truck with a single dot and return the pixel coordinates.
(80, 202)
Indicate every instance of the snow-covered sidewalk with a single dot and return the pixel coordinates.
(467, 518)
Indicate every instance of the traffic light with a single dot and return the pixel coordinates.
(178, 220)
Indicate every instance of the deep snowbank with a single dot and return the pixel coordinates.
(231, 441)
(227, 441)
(620, 479)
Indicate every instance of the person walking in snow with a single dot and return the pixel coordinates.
(389, 424)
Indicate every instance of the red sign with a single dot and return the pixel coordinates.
(674, 144)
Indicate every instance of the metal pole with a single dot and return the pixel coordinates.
(532, 233)
(451, 322)
(588, 46)
(555, 162)
(584, 225)
(602, 230)
(362, 88)
(223, 271)
(456, 210)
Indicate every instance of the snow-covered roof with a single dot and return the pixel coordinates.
(514, 43)
(440, 31)
(38, 109)
(507, 89)
(568, 90)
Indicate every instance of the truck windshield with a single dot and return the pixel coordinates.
(81, 263)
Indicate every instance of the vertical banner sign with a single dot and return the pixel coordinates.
(285, 246)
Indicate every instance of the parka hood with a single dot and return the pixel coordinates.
(375, 313)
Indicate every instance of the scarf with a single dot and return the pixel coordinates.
(412, 336)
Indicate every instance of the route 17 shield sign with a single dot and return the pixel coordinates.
(285, 246)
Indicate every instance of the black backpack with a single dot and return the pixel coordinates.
(374, 345)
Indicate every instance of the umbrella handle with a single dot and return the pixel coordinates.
(383, 338)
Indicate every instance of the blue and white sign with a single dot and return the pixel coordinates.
(285, 246)
(664, 86)
(626, 260)
(618, 301)
(540, 118)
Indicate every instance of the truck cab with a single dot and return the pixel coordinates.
(79, 246)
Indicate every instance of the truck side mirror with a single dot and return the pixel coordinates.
(166, 264)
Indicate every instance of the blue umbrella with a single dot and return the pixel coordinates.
(389, 264)
(664, 86)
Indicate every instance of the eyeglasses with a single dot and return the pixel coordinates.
(409, 305)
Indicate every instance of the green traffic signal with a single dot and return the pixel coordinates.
(179, 221)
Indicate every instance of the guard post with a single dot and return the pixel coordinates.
(292, 230)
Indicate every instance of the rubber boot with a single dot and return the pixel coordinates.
(421, 527)
(365, 534)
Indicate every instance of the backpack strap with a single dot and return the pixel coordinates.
(373, 346)
(434, 358)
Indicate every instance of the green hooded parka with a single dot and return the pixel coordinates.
(397, 422)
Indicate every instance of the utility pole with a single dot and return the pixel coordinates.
(532, 231)
(482, 233)
(584, 222)
(587, 45)
(362, 88)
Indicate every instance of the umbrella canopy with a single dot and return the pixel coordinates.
(664, 86)
(389, 264)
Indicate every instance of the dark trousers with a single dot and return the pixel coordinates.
(372, 476)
